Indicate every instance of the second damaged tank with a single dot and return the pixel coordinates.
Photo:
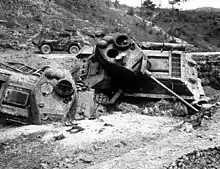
(153, 70)
(30, 96)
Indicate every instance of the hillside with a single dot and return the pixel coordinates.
(22, 20)
(200, 28)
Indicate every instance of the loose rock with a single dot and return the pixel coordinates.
(59, 137)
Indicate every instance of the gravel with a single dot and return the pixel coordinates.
(198, 159)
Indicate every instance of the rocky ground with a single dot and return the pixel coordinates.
(127, 138)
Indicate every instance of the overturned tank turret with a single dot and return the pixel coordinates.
(31, 96)
(156, 70)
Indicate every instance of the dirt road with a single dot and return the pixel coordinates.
(56, 56)
(118, 141)
(164, 150)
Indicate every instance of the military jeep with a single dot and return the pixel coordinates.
(60, 42)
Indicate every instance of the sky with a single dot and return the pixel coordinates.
(191, 4)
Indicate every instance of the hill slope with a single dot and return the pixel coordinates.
(201, 29)
(23, 19)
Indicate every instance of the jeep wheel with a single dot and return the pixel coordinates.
(45, 49)
(74, 49)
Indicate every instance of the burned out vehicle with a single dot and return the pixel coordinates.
(32, 96)
(60, 42)
(119, 67)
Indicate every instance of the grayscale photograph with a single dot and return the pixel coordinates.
(109, 84)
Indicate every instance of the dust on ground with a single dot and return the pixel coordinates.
(115, 141)
(119, 140)
(37, 61)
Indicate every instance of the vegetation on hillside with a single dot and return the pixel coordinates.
(201, 29)
(23, 19)
(112, 19)
(149, 4)
(26, 18)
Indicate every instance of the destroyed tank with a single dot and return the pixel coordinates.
(120, 67)
(30, 96)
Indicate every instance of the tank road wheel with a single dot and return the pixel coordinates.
(45, 49)
(74, 49)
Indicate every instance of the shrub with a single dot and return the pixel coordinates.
(150, 31)
(148, 13)
(206, 38)
(131, 11)
(37, 18)
(108, 3)
(116, 4)
(149, 4)
(166, 19)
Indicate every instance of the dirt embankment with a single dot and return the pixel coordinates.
(208, 69)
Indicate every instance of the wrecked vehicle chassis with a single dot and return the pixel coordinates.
(119, 67)
(30, 97)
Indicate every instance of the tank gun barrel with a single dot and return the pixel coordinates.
(163, 46)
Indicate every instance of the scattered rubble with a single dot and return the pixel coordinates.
(75, 129)
(208, 158)
(59, 137)
(155, 108)
(85, 158)
(185, 127)
(108, 125)
(44, 166)
(128, 108)
(101, 130)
